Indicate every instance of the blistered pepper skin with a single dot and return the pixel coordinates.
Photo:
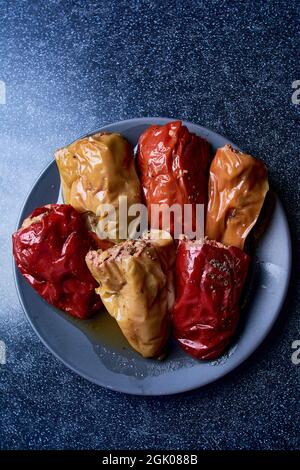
(95, 171)
(209, 281)
(238, 184)
(49, 250)
(173, 165)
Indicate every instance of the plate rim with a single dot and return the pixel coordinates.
(176, 389)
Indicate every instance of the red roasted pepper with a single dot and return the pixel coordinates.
(50, 250)
(173, 165)
(210, 278)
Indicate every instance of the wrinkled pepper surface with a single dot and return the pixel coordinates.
(136, 287)
(50, 250)
(173, 165)
(96, 171)
(238, 184)
(209, 281)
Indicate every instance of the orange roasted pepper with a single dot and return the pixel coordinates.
(238, 184)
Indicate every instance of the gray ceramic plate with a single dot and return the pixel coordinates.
(95, 348)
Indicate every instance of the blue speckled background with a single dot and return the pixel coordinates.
(71, 66)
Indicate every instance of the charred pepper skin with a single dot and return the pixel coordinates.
(209, 281)
(49, 250)
(173, 165)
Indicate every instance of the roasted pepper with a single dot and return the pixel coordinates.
(173, 166)
(136, 286)
(96, 171)
(50, 250)
(238, 184)
(209, 281)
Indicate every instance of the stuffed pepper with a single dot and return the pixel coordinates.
(173, 165)
(209, 282)
(95, 173)
(136, 287)
(50, 250)
(238, 184)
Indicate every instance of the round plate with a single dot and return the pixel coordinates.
(95, 348)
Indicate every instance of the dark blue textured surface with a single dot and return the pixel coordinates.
(71, 66)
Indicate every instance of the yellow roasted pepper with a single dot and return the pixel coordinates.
(96, 171)
(136, 287)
